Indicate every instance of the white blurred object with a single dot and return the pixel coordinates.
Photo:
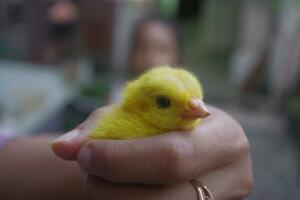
(253, 39)
(29, 96)
(126, 15)
(284, 68)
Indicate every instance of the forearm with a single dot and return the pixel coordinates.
(30, 170)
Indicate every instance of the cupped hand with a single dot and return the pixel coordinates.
(217, 152)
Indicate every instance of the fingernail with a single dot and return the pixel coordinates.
(84, 157)
(67, 137)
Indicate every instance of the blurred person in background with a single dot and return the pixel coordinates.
(156, 41)
(63, 22)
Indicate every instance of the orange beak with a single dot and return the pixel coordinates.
(197, 109)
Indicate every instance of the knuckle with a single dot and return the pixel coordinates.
(246, 187)
(240, 146)
(101, 162)
(249, 185)
(174, 162)
(246, 179)
(242, 183)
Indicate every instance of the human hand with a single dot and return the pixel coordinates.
(217, 152)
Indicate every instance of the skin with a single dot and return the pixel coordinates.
(159, 167)
(30, 170)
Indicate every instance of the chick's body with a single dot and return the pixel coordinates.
(161, 100)
(120, 124)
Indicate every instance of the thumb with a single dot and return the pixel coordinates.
(67, 145)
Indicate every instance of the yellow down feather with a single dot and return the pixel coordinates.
(152, 104)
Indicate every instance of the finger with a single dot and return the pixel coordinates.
(101, 189)
(168, 158)
(67, 145)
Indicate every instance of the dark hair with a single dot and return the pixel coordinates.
(167, 22)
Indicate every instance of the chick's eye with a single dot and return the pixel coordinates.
(163, 102)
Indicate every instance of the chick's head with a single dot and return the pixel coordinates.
(167, 98)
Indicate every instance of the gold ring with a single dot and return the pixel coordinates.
(203, 193)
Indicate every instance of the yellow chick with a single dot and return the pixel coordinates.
(161, 100)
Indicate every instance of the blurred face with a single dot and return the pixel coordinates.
(155, 45)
